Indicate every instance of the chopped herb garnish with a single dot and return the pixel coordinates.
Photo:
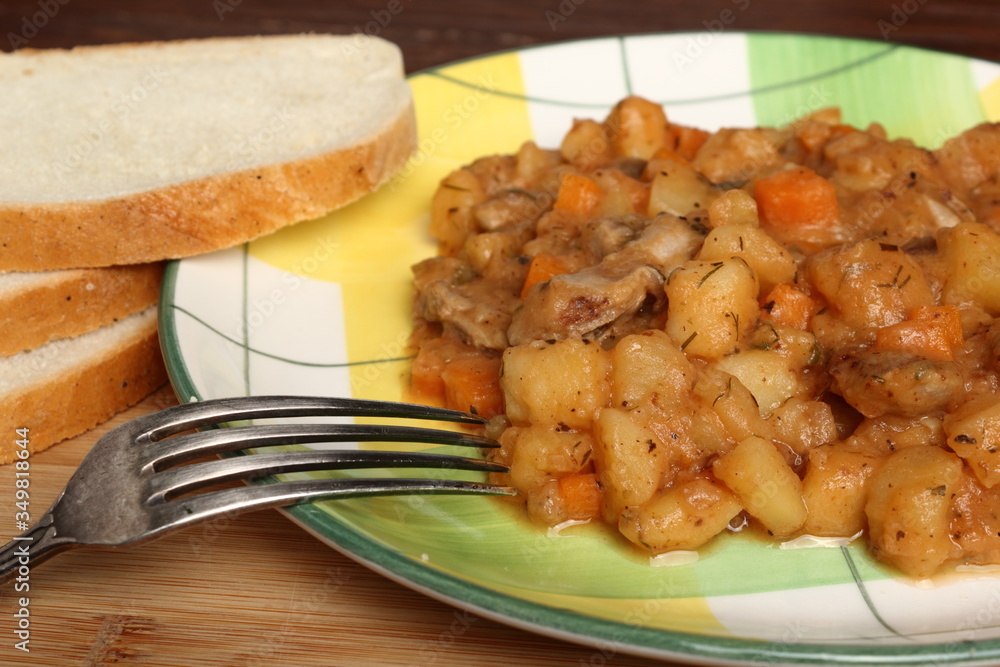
(736, 321)
(717, 266)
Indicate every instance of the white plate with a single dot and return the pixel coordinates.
(323, 308)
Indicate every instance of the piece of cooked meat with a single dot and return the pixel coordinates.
(736, 155)
(479, 311)
(607, 234)
(665, 244)
(880, 383)
(576, 304)
(449, 291)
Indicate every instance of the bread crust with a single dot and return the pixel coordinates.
(75, 302)
(80, 398)
(201, 215)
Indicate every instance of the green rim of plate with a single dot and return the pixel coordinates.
(603, 635)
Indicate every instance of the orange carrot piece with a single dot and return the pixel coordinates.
(664, 154)
(543, 267)
(924, 338)
(581, 495)
(790, 307)
(797, 206)
(425, 374)
(472, 384)
(578, 195)
(687, 140)
(947, 318)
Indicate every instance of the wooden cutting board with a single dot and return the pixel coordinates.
(253, 590)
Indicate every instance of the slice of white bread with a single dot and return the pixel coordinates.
(135, 153)
(39, 307)
(69, 386)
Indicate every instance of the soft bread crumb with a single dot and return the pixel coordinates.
(140, 153)
(119, 120)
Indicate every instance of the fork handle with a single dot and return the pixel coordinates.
(38, 543)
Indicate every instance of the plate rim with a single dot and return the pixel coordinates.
(561, 623)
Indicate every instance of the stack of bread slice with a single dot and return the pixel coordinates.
(114, 159)
(76, 346)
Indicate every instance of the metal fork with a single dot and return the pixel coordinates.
(130, 487)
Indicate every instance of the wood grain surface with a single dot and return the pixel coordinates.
(258, 590)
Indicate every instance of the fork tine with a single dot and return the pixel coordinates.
(188, 511)
(175, 450)
(197, 414)
(167, 484)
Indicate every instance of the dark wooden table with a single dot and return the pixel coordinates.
(432, 32)
(258, 590)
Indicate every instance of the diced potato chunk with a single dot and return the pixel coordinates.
(694, 432)
(452, 209)
(561, 384)
(766, 486)
(772, 263)
(835, 490)
(538, 457)
(973, 433)
(540, 454)
(972, 253)
(636, 128)
(711, 306)
(629, 458)
(733, 207)
(799, 346)
(585, 146)
(623, 194)
(766, 373)
(804, 424)
(677, 189)
(870, 286)
(646, 364)
(685, 516)
(883, 435)
(733, 403)
(975, 524)
(533, 162)
(909, 508)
